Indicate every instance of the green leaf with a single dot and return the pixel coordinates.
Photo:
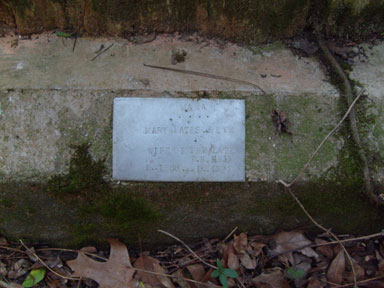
(294, 273)
(215, 274)
(34, 277)
(223, 280)
(219, 265)
(230, 273)
(63, 34)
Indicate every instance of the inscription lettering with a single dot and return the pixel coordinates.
(189, 130)
(178, 139)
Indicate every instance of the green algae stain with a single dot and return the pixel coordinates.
(84, 178)
(104, 210)
(337, 206)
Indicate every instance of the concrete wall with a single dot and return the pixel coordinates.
(52, 99)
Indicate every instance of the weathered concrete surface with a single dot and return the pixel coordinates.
(71, 98)
(370, 74)
(52, 98)
(49, 63)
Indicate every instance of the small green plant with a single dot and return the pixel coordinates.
(294, 273)
(223, 273)
(34, 277)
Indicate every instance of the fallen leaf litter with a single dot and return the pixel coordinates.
(285, 259)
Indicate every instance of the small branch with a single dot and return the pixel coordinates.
(102, 52)
(189, 249)
(136, 269)
(175, 277)
(207, 75)
(334, 285)
(12, 249)
(79, 283)
(323, 142)
(326, 244)
(46, 266)
(325, 230)
(348, 93)
(349, 240)
(6, 285)
(230, 234)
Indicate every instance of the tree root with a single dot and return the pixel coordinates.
(348, 93)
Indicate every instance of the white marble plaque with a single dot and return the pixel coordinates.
(173, 139)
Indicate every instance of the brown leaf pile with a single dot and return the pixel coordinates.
(284, 260)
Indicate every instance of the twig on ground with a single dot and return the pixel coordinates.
(364, 281)
(74, 43)
(79, 283)
(334, 285)
(240, 282)
(322, 143)
(349, 240)
(327, 243)
(325, 230)
(136, 269)
(189, 249)
(207, 75)
(348, 93)
(102, 52)
(74, 251)
(12, 249)
(230, 234)
(175, 277)
(287, 186)
(46, 266)
(7, 285)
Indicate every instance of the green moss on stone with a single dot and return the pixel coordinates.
(84, 178)
(104, 210)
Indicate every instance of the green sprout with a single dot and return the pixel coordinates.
(223, 273)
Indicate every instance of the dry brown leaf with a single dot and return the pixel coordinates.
(314, 283)
(3, 241)
(197, 272)
(164, 280)
(233, 262)
(273, 279)
(293, 240)
(3, 269)
(228, 249)
(322, 265)
(247, 262)
(373, 284)
(89, 249)
(336, 249)
(258, 248)
(180, 279)
(115, 272)
(283, 260)
(326, 250)
(336, 269)
(149, 263)
(380, 261)
(360, 272)
(240, 242)
(19, 268)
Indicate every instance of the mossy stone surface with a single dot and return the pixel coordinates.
(79, 205)
(76, 117)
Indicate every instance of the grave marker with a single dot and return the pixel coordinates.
(174, 139)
